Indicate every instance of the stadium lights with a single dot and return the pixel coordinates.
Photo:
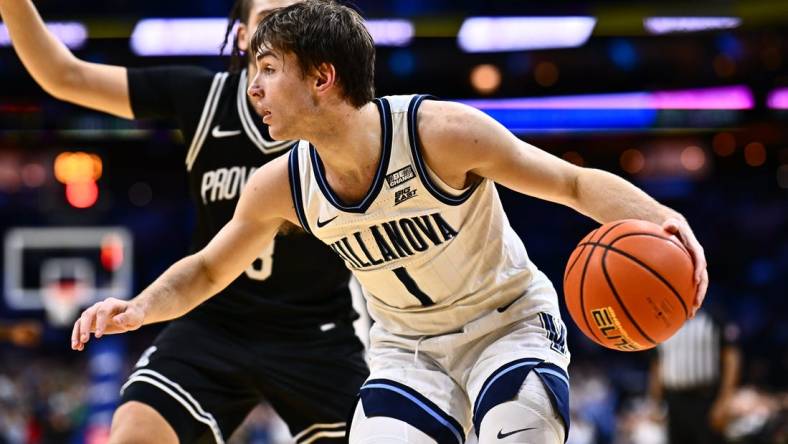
(182, 36)
(79, 171)
(72, 34)
(497, 34)
(391, 32)
(666, 25)
(778, 99)
(721, 98)
(203, 36)
(594, 112)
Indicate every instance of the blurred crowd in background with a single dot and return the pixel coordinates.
(695, 115)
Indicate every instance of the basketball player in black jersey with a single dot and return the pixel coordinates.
(282, 331)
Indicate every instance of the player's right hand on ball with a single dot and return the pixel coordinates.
(109, 316)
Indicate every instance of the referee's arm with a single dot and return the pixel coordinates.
(655, 388)
(654, 380)
(730, 368)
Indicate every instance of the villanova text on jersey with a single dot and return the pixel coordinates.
(396, 239)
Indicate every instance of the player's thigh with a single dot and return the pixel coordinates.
(389, 411)
(195, 378)
(528, 418)
(384, 430)
(138, 423)
(408, 398)
(312, 382)
(532, 350)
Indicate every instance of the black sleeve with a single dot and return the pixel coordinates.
(176, 92)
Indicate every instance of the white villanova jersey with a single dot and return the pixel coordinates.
(429, 258)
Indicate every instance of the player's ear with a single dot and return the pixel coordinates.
(243, 42)
(325, 77)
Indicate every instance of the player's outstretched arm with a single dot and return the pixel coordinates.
(57, 70)
(462, 144)
(264, 205)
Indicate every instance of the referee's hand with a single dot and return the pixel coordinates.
(109, 316)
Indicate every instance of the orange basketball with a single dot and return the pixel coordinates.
(629, 285)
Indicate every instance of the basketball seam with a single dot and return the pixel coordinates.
(580, 253)
(583, 279)
(641, 233)
(664, 281)
(618, 298)
(649, 269)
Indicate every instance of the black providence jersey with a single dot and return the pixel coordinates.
(298, 281)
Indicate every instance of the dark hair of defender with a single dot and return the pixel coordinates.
(238, 14)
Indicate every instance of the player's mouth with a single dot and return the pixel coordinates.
(266, 115)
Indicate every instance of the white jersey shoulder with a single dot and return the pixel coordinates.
(430, 258)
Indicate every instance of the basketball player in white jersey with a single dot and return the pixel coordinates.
(468, 331)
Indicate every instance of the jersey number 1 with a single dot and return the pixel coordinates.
(261, 268)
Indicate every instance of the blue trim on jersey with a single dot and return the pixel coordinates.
(497, 374)
(384, 397)
(557, 383)
(413, 288)
(505, 383)
(557, 373)
(415, 148)
(377, 183)
(295, 188)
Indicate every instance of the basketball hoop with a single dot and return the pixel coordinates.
(62, 301)
(63, 269)
(67, 284)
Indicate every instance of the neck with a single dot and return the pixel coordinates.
(349, 139)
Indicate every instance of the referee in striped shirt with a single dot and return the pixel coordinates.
(695, 373)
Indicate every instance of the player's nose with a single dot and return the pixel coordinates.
(255, 89)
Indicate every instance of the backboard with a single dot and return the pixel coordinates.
(86, 263)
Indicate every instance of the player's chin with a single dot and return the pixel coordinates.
(277, 132)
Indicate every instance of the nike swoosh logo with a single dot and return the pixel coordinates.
(218, 134)
(502, 435)
(321, 224)
(503, 308)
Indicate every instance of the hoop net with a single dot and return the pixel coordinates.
(63, 299)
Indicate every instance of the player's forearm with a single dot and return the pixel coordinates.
(185, 285)
(49, 61)
(606, 197)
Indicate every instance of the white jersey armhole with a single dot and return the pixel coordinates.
(441, 184)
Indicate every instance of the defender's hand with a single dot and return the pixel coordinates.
(682, 230)
(109, 316)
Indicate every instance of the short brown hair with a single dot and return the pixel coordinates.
(323, 31)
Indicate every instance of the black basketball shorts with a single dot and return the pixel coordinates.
(204, 380)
